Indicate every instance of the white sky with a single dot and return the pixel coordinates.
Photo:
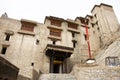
(36, 10)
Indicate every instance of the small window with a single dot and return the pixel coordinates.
(95, 15)
(98, 28)
(74, 43)
(7, 38)
(97, 23)
(93, 32)
(73, 34)
(112, 61)
(85, 36)
(32, 64)
(93, 25)
(5, 79)
(37, 42)
(3, 51)
(54, 42)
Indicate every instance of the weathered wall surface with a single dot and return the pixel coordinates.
(57, 77)
(96, 73)
(113, 50)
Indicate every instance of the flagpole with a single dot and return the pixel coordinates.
(88, 43)
(90, 59)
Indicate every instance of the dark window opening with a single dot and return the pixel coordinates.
(93, 25)
(95, 15)
(32, 64)
(0, 78)
(54, 42)
(98, 28)
(3, 50)
(7, 37)
(112, 61)
(93, 32)
(74, 43)
(85, 36)
(73, 34)
(97, 23)
(84, 21)
(37, 41)
(5, 79)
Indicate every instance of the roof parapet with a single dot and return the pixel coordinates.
(100, 6)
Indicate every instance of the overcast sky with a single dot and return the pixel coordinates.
(36, 10)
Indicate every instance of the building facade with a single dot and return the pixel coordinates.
(57, 45)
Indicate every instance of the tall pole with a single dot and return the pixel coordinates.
(88, 43)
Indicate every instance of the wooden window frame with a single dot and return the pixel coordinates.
(73, 26)
(55, 32)
(27, 28)
(56, 23)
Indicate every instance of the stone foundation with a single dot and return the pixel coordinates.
(97, 73)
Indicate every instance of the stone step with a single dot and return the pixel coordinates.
(56, 77)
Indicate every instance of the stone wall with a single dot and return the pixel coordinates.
(57, 77)
(96, 72)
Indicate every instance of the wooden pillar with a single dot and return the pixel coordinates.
(51, 64)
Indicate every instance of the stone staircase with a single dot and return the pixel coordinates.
(56, 77)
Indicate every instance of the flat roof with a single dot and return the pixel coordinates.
(100, 6)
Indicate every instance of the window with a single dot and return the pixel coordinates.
(95, 15)
(7, 37)
(98, 28)
(32, 64)
(55, 32)
(73, 34)
(85, 36)
(56, 23)
(93, 25)
(74, 43)
(84, 21)
(3, 51)
(37, 42)
(72, 25)
(97, 23)
(54, 42)
(112, 61)
(28, 25)
(27, 28)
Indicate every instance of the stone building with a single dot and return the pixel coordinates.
(58, 49)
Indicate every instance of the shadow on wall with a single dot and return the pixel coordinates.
(35, 75)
